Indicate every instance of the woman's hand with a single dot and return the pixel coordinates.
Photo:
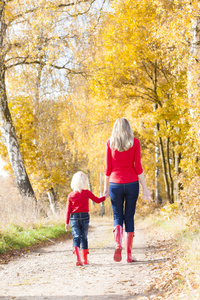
(106, 193)
(67, 227)
(147, 195)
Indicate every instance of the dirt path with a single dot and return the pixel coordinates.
(50, 272)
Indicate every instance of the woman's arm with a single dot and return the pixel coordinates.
(146, 192)
(108, 167)
(106, 185)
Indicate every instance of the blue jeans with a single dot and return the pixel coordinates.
(79, 224)
(121, 194)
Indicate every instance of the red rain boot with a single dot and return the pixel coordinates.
(128, 245)
(85, 252)
(76, 251)
(118, 232)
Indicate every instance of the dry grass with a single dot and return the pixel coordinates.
(21, 211)
(14, 209)
(183, 268)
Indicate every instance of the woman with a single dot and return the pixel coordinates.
(123, 169)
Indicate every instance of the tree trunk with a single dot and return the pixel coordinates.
(158, 198)
(90, 186)
(102, 211)
(7, 127)
(52, 200)
(194, 61)
(194, 74)
(177, 173)
(171, 182)
(164, 165)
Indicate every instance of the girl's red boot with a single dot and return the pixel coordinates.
(128, 246)
(118, 232)
(76, 251)
(85, 252)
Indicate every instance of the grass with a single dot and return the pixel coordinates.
(186, 242)
(16, 237)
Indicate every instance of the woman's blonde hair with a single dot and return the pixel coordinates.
(79, 181)
(122, 135)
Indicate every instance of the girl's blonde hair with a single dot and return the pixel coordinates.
(122, 135)
(79, 181)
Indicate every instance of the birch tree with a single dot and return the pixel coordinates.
(23, 42)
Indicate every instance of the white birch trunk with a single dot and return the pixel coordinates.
(102, 212)
(52, 206)
(194, 74)
(7, 127)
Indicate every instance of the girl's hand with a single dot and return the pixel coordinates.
(147, 195)
(67, 227)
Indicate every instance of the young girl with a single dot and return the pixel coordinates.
(77, 212)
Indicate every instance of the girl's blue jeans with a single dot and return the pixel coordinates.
(123, 200)
(79, 224)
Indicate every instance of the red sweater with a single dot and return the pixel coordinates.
(123, 167)
(78, 202)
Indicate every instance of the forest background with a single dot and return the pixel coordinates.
(68, 70)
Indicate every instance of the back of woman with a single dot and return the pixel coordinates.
(123, 169)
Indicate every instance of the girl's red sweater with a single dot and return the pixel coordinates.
(123, 167)
(78, 202)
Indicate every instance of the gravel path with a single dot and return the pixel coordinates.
(50, 272)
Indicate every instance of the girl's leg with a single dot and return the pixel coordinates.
(76, 233)
(84, 238)
(84, 231)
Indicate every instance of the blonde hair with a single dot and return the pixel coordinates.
(122, 135)
(79, 181)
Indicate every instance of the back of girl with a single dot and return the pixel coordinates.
(77, 213)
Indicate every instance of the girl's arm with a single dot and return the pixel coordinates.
(67, 227)
(96, 199)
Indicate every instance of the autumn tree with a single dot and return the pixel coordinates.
(33, 35)
(140, 63)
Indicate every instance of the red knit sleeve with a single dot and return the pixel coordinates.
(138, 165)
(94, 198)
(108, 162)
(68, 210)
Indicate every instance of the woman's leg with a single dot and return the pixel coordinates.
(131, 196)
(117, 200)
(132, 192)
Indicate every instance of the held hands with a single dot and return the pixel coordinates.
(67, 227)
(106, 193)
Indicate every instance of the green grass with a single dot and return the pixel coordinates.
(15, 237)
